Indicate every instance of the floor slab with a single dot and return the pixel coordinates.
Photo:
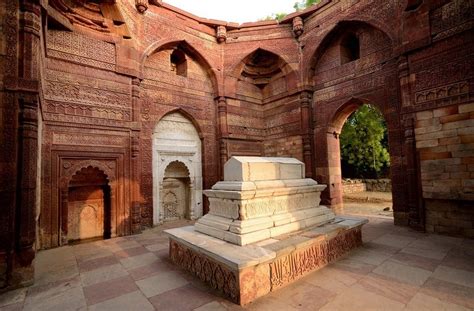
(396, 269)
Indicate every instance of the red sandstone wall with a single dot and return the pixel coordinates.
(102, 93)
(8, 138)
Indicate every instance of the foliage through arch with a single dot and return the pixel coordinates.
(364, 144)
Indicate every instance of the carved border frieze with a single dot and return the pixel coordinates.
(443, 92)
(213, 273)
(297, 264)
(89, 140)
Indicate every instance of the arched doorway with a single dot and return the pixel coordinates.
(330, 163)
(177, 169)
(365, 163)
(88, 213)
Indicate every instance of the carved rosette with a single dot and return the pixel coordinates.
(221, 34)
(141, 5)
(298, 28)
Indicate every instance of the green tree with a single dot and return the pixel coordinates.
(303, 4)
(364, 144)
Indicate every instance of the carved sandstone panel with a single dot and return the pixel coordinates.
(213, 273)
(297, 264)
(81, 49)
(89, 140)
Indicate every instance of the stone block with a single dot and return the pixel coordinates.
(217, 222)
(458, 124)
(247, 238)
(466, 131)
(212, 231)
(259, 168)
(288, 228)
(445, 111)
(454, 118)
(428, 129)
(437, 135)
(466, 108)
(424, 115)
(427, 143)
(251, 225)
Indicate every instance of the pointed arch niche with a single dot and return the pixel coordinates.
(177, 169)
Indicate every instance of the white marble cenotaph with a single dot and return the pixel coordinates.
(265, 229)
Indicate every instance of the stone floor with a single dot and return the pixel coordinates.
(396, 269)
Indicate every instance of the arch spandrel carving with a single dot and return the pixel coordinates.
(69, 168)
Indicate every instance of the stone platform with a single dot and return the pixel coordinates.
(245, 273)
(265, 229)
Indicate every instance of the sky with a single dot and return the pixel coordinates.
(239, 11)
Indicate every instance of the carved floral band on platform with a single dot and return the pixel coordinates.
(265, 229)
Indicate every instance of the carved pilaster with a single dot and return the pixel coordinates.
(413, 186)
(307, 131)
(27, 171)
(404, 76)
(221, 34)
(416, 218)
(63, 199)
(135, 158)
(136, 102)
(223, 131)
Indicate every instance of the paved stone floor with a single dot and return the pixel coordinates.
(396, 269)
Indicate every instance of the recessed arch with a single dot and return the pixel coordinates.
(237, 70)
(336, 32)
(176, 143)
(188, 116)
(87, 206)
(188, 49)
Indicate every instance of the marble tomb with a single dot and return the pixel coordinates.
(265, 229)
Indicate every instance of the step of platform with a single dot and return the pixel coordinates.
(245, 273)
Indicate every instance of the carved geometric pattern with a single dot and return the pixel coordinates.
(81, 49)
(446, 91)
(170, 205)
(89, 140)
(209, 271)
